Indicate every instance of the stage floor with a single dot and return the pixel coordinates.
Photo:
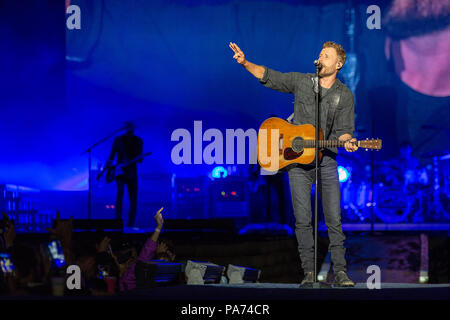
(292, 291)
(261, 293)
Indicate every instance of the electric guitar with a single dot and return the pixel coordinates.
(115, 171)
(281, 143)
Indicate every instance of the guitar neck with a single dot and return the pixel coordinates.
(327, 143)
(142, 156)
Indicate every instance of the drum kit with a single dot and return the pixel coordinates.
(390, 192)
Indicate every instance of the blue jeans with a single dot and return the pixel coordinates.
(301, 179)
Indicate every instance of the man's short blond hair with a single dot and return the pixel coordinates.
(339, 50)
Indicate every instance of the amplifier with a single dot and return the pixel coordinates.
(229, 198)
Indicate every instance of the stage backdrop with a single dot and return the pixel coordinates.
(165, 64)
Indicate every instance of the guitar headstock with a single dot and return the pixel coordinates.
(374, 144)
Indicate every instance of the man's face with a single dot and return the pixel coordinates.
(330, 62)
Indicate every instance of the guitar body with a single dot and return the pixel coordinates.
(116, 171)
(287, 132)
(111, 174)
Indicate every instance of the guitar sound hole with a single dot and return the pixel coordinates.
(290, 154)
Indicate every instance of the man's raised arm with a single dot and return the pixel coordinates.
(282, 82)
(254, 69)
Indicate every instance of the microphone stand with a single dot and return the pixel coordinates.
(316, 283)
(89, 151)
(372, 200)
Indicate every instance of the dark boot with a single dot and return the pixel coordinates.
(308, 280)
(342, 280)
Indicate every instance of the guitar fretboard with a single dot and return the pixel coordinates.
(325, 143)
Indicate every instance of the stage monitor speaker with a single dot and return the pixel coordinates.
(198, 272)
(238, 274)
(156, 273)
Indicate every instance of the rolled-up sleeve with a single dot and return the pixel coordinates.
(128, 279)
(148, 251)
(282, 82)
(345, 115)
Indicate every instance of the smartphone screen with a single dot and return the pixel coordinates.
(55, 253)
(6, 263)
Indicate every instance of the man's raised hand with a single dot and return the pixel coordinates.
(238, 54)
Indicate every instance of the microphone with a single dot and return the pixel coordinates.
(317, 64)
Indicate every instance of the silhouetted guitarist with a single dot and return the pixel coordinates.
(127, 147)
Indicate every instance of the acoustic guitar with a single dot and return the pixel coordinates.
(281, 144)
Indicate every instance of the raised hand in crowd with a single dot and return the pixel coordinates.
(104, 245)
(9, 235)
(159, 224)
(63, 231)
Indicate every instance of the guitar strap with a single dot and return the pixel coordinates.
(334, 103)
(289, 119)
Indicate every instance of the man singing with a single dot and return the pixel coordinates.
(337, 122)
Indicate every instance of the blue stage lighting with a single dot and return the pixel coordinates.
(344, 175)
(219, 172)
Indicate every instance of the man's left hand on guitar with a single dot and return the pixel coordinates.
(351, 146)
